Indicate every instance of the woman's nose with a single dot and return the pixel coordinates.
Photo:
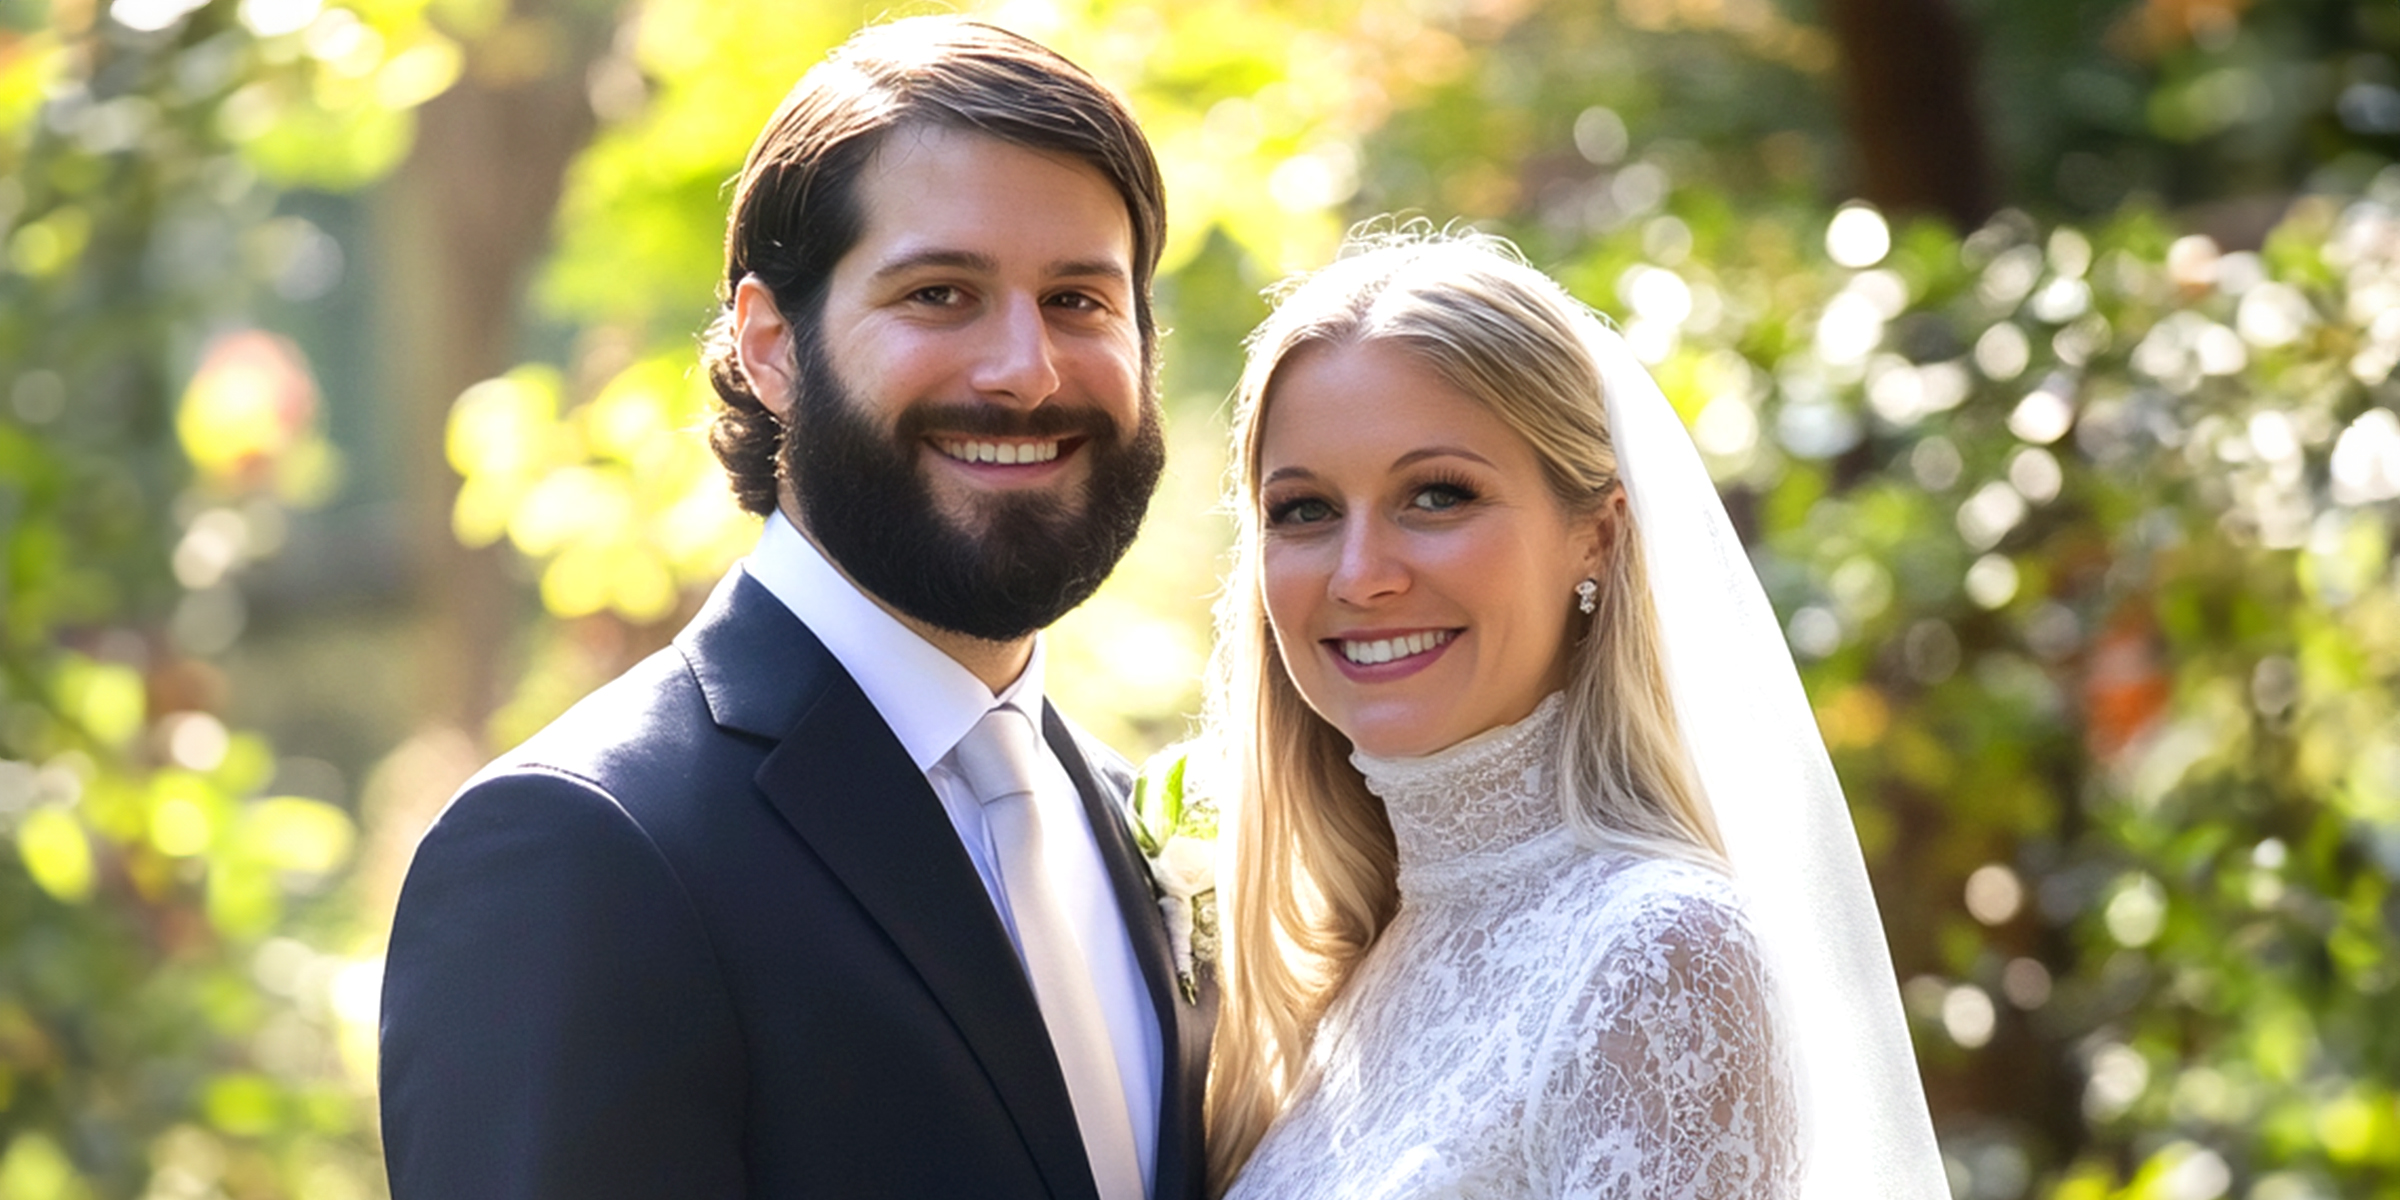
(1370, 566)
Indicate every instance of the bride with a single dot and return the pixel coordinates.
(1540, 883)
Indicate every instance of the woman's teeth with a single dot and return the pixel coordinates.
(1004, 453)
(1383, 650)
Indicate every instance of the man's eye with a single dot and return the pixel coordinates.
(1076, 302)
(940, 295)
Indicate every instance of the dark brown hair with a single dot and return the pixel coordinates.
(795, 206)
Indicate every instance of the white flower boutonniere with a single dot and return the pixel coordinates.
(1177, 832)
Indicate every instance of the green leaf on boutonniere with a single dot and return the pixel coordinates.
(1176, 827)
(1158, 797)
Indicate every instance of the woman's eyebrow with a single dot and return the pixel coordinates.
(1405, 460)
(1416, 456)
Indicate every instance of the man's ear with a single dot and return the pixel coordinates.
(762, 345)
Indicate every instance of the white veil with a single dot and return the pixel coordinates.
(1754, 740)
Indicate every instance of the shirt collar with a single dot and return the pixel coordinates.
(923, 694)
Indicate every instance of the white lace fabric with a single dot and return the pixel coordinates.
(1540, 1019)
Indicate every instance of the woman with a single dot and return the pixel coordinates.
(1541, 884)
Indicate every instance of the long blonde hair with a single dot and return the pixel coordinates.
(1315, 871)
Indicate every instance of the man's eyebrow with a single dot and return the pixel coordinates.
(1090, 268)
(985, 264)
(966, 260)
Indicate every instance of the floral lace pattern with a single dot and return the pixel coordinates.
(1540, 1019)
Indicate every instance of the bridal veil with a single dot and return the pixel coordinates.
(1753, 739)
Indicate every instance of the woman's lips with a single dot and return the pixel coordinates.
(1369, 655)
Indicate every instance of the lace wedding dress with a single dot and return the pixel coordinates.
(1540, 1019)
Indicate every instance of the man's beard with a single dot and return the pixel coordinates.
(1037, 555)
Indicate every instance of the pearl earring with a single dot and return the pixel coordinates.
(1587, 596)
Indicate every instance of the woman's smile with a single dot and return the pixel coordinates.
(1396, 654)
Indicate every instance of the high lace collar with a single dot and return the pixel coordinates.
(1478, 807)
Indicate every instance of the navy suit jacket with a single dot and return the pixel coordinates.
(711, 935)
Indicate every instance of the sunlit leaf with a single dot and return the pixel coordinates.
(34, 1168)
(418, 73)
(242, 1104)
(2352, 1124)
(501, 427)
(574, 506)
(292, 833)
(638, 409)
(105, 698)
(57, 854)
(579, 581)
(251, 403)
(307, 144)
(47, 247)
(244, 898)
(179, 826)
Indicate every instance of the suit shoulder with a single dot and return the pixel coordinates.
(539, 814)
(1114, 770)
(643, 752)
(635, 727)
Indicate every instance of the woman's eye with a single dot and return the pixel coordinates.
(1440, 497)
(1307, 510)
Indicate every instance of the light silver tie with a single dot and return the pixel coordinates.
(1000, 758)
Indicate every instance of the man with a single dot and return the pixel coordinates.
(824, 900)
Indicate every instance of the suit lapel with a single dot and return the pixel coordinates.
(847, 787)
(1183, 1029)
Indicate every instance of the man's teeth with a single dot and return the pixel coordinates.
(1383, 650)
(1004, 453)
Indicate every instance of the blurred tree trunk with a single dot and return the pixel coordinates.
(462, 225)
(1916, 128)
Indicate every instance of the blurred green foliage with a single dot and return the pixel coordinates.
(2081, 521)
(176, 1014)
(2083, 537)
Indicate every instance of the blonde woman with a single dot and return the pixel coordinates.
(1539, 882)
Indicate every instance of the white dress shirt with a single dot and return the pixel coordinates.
(931, 702)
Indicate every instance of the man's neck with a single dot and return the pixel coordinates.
(996, 664)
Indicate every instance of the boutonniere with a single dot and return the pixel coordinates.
(1177, 832)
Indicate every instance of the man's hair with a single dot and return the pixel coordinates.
(795, 205)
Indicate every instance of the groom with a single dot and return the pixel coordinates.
(825, 899)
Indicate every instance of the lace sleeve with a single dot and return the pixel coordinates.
(1666, 1079)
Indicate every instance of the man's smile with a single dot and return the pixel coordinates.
(1006, 452)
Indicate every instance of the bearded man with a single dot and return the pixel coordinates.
(825, 899)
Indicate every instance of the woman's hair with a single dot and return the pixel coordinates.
(796, 204)
(1315, 870)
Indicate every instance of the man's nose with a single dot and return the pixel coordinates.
(1018, 363)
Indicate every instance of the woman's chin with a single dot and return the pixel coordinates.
(1402, 735)
(1429, 724)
